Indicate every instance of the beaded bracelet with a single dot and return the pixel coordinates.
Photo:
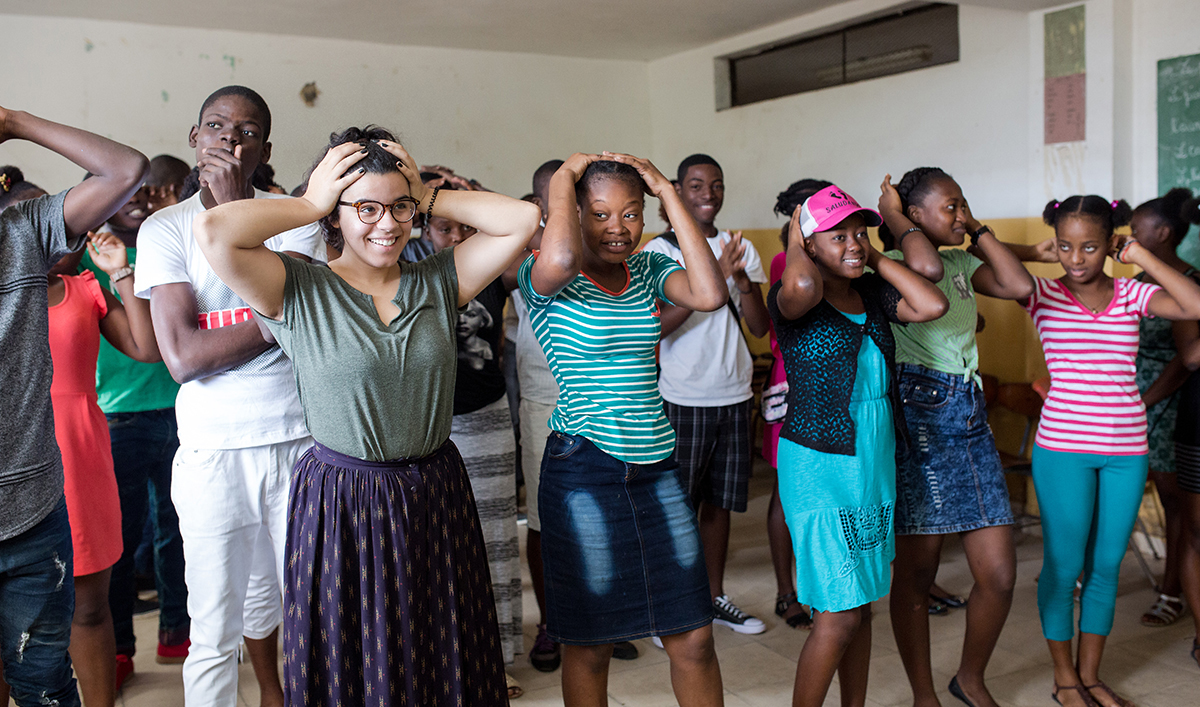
(1120, 256)
(429, 211)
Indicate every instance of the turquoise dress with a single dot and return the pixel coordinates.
(839, 508)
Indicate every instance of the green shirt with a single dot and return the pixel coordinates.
(946, 344)
(371, 390)
(122, 384)
(600, 347)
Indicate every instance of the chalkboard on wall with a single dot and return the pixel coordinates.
(1179, 133)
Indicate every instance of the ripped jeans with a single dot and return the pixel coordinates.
(37, 602)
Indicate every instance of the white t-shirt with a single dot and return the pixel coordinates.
(533, 371)
(251, 404)
(705, 362)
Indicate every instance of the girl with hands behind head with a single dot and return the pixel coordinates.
(836, 455)
(373, 343)
(613, 575)
(1090, 454)
(955, 482)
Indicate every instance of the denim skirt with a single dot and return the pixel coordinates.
(620, 545)
(949, 477)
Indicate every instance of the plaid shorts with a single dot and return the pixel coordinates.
(712, 448)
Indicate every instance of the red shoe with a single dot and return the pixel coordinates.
(124, 669)
(173, 655)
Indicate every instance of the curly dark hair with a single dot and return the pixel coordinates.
(1178, 209)
(377, 161)
(796, 194)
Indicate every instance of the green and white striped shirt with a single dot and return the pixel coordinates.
(600, 347)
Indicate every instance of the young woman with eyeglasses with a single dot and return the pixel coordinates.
(387, 593)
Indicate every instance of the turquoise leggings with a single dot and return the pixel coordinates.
(1089, 503)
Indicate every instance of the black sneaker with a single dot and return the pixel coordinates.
(545, 655)
(728, 614)
(625, 651)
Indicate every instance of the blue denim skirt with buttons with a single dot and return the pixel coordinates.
(949, 477)
(620, 545)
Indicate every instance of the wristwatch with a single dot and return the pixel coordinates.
(976, 235)
(120, 274)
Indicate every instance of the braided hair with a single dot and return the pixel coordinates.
(913, 187)
(791, 198)
(1178, 209)
(1111, 215)
(14, 188)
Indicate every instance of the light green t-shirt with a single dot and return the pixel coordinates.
(371, 390)
(122, 384)
(946, 344)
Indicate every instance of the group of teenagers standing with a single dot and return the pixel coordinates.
(322, 402)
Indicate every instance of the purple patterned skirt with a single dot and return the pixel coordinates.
(387, 595)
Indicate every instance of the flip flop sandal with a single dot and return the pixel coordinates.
(1083, 693)
(514, 687)
(1121, 701)
(783, 603)
(952, 601)
(1164, 612)
(937, 608)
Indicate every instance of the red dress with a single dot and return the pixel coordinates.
(93, 503)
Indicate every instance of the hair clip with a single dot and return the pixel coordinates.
(1057, 203)
(1114, 203)
(5, 182)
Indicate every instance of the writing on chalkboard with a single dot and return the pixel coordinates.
(1179, 132)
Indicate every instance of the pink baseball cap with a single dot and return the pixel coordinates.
(829, 207)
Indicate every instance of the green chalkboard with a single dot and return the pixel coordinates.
(1179, 133)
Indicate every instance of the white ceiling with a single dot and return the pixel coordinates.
(611, 29)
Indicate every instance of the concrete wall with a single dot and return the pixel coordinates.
(492, 115)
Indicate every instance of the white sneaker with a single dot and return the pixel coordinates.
(728, 614)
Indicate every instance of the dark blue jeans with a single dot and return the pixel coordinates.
(37, 601)
(143, 448)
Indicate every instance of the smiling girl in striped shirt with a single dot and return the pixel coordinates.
(1089, 462)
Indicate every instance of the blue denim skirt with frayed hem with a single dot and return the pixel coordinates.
(620, 545)
(949, 477)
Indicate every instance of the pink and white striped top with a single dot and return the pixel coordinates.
(1094, 406)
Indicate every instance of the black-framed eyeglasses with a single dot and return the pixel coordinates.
(369, 212)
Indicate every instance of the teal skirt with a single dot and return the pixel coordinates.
(840, 508)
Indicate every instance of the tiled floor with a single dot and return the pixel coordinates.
(1151, 666)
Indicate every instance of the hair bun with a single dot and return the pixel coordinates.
(1190, 211)
(1122, 213)
(10, 177)
(1050, 213)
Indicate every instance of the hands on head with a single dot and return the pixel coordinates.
(335, 172)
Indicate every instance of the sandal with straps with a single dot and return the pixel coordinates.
(1121, 701)
(514, 687)
(783, 602)
(1164, 612)
(1088, 700)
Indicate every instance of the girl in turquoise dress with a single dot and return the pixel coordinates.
(837, 469)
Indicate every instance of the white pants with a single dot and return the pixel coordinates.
(232, 506)
(534, 417)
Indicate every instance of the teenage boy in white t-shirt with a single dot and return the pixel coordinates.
(241, 427)
(705, 380)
